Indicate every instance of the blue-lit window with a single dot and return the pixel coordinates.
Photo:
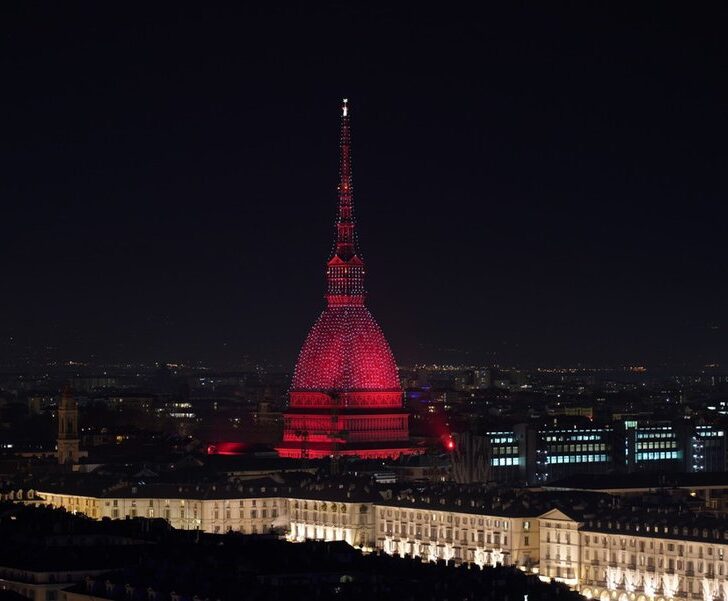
(504, 461)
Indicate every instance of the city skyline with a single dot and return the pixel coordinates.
(537, 188)
(501, 226)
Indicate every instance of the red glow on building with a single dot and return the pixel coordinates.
(227, 448)
(345, 396)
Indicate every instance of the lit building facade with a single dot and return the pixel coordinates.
(319, 519)
(247, 508)
(345, 397)
(559, 543)
(460, 534)
(637, 556)
(432, 528)
(608, 554)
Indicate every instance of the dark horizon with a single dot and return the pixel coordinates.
(532, 186)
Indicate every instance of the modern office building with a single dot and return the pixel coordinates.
(540, 454)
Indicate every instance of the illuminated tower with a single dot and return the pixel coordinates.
(68, 443)
(345, 396)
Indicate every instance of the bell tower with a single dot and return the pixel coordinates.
(68, 441)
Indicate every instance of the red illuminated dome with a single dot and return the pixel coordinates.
(346, 350)
(345, 396)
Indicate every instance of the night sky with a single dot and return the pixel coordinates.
(534, 185)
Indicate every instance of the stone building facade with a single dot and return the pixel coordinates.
(610, 554)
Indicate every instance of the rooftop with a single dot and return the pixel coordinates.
(640, 481)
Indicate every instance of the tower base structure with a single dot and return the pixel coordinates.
(323, 450)
(334, 430)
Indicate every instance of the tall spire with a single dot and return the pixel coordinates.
(345, 397)
(345, 238)
(345, 270)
